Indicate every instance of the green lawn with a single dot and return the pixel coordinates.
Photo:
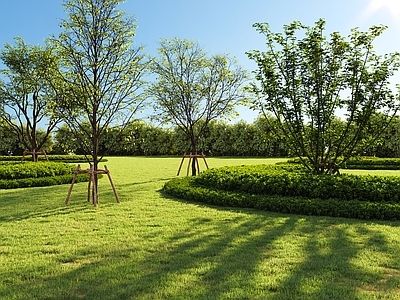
(153, 247)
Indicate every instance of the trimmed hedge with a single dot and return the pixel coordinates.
(186, 188)
(29, 174)
(365, 163)
(43, 181)
(292, 181)
(59, 158)
(289, 189)
(34, 170)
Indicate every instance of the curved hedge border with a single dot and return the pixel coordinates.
(292, 181)
(29, 174)
(186, 188)
(288, 190)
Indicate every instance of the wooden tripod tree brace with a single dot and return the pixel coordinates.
(36, 154)
(195, 157)
(91, 172)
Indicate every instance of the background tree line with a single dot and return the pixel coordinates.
(220, 139)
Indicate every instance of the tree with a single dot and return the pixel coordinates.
(103, 86)
(310, 81)
(9, 143)
(28, 93)
(191, 87)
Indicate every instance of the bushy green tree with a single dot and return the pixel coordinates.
(308, 80)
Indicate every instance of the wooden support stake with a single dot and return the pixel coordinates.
(180, 166)
(92, 183)
(76, 172)
(112, 184)
(36, 154)
(194, 157)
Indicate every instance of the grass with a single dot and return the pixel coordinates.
(153, 247)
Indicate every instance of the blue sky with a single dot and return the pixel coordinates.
(220, 26)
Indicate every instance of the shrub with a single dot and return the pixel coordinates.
(186, 188)
(29, 174)
(59, 158)
(41, 181)
(286, 181)
(288, 189)
(365, 163)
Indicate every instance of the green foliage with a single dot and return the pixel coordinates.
(192, 89)
(304, 78)
(103, 79)
(290, 189)
(187, 188)
(41, 181)
(28, 93)
(366, 163)
(59, 158)
(31, 174)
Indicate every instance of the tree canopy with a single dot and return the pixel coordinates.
(104, 71)
(28, 94)
(315, 85)
(192, 88)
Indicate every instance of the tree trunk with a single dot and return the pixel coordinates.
(194, 160)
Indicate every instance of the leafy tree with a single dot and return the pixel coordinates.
(389, 142)
(28, 93)
(268, 140)
(103, 86)
(191, 89)
(9, 143)
(308, 81)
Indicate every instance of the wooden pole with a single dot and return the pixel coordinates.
(112, 184)
(180, 166)
(72, 183)
(204, 158)
(188, 167)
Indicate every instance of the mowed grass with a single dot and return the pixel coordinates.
(151, 246)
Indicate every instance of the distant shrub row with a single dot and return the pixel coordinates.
(60, 158)
(29, 174)
(288, 189)
(366, 163)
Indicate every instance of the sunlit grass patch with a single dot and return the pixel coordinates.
(155, 247)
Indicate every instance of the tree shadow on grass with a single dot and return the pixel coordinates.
(246, 255)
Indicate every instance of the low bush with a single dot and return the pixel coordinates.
(188, 189)
(284, 180)
(41, 181)
(29, 174)
(34, 170)
(365, 163)
(59, 158)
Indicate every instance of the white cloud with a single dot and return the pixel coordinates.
(391, 6)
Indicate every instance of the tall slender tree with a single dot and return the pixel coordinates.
(105, 71)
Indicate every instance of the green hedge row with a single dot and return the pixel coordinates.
(286, 181)
(41, 181)
(366, 163)
(34, 170)
(30, 174)
(59, 158)
(188, 189)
